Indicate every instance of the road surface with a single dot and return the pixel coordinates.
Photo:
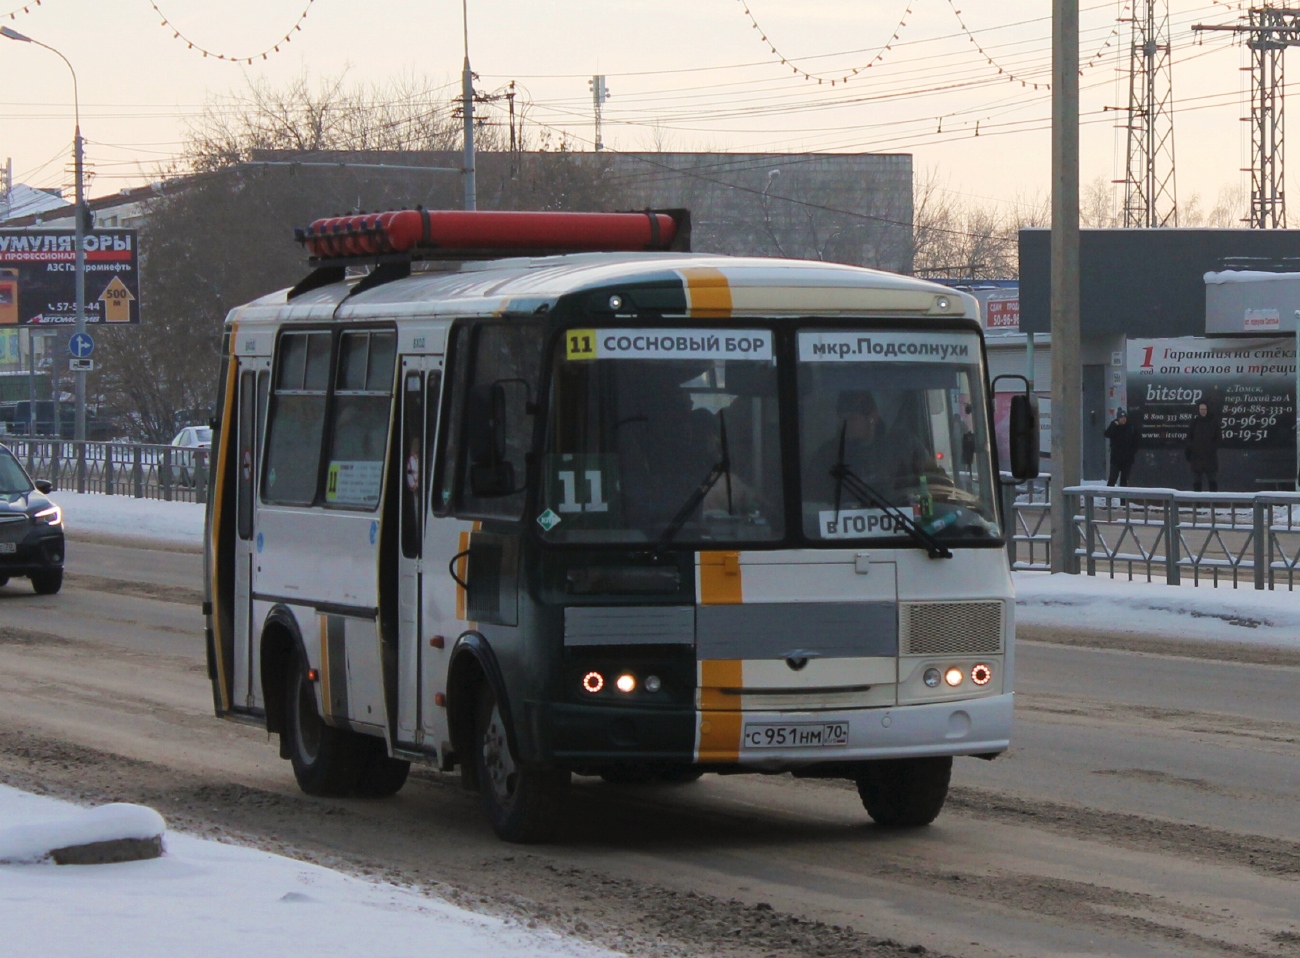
(1147, 807)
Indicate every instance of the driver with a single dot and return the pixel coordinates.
(889, 461)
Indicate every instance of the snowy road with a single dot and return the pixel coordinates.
(1147, 807)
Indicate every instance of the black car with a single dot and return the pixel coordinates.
(31, 528)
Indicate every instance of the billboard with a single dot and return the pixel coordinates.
(38, 277)
(1248, 384)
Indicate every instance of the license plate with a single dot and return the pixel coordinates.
(8, 547)
(802, 735)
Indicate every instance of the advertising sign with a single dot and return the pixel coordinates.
(38, 277)
(1249, 387)
(1003, 314)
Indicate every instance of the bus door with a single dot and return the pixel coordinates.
(418, 391)
(253, 385)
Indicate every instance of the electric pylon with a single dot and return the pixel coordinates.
(1150, 198)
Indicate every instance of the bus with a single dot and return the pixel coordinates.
(539, 495)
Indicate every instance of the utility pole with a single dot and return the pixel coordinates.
(467, 108)
(1066, 376)
(1150, 198)
(599, 94)
(1269, 31)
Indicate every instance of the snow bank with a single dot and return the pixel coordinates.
(180, 523)
(33, 841)
(206, 900)
(1201, 613)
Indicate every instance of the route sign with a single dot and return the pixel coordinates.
(38, 277)
(81, 345)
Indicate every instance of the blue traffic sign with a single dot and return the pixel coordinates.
(81, 345)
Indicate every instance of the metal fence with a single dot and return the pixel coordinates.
(1216, 537)
(1027, 506)
(144, 471)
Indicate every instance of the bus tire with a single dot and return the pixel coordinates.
(324, 758)
(379, 776)
(522, 804)
(904, 792)
(47, 583)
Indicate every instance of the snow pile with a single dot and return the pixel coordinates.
(178, 523)
(34, 841)
(1201, 613)
(205, 900)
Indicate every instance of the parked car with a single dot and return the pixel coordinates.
(183, 458)
(31, 528)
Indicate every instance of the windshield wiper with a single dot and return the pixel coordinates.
(844, 476)
(720, 468)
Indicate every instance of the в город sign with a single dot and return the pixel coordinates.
(38, 278)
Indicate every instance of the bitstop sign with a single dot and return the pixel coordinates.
(38, 278)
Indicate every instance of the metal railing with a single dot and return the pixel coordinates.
(141, 470)
(1027, 508)
(1215, 537)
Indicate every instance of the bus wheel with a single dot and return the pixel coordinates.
(324, 758)
(380, 776)
(521, 803)
(47, 583)
(903, 792)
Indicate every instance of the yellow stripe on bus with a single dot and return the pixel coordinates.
(718, 736)
(708, 294)
(217, 492)
(327, 704)
(720, 579)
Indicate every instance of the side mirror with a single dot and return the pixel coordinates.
(1024, 437)
(43, 485)
(490, 474)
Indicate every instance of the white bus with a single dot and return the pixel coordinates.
(628, 512)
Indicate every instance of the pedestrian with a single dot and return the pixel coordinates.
(1123, 436)
(1203, 439)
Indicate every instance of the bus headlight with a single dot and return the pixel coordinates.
(626, 682)
(981, 674)
(931, 678)
(652, 683)
(953, 677)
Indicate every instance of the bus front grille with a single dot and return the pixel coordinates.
(951, 628)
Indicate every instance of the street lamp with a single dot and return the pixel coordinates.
(80, 232)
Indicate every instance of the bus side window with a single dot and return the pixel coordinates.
(412, 462)
(296, 423)
(453, 405)
(247, 412)
(358, 434)
(508, 355)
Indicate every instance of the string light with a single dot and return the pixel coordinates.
(25, 8)
(1014, 78)
(190, 44)
(828, 78)
(1093, 60)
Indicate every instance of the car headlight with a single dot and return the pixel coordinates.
(53, 516)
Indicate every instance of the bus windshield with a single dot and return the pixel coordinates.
(663, 435)
(894, 422)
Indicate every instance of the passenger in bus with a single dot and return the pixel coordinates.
(891, 462)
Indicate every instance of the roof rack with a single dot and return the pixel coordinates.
(391, 241)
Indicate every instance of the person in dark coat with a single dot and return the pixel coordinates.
(1123, 436)
(1203, 439)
